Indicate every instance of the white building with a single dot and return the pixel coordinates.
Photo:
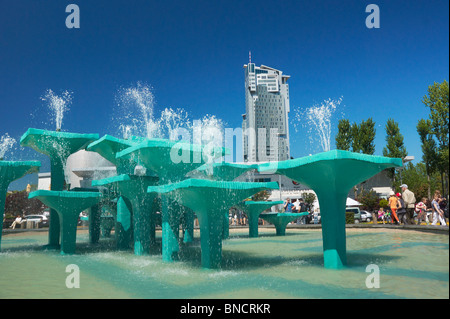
(81, 168)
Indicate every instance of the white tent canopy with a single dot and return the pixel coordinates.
(352, 202)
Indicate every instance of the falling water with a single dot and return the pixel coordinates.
(6, 143)
(169, 125)
(58, 105)
(318, 122)
(138, 116)
(125, 131)
(174, 124)
(140, 97)
(211, 136)
(137, 108)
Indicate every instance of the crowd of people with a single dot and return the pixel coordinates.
(299, 206)
(404, 209)
(237, 217)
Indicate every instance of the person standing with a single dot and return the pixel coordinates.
(401, 209)
(239, 217)
(438, 213)
(410, 202)
(296, 207)
(443, 205)
(316, 216)
(393, 203)
(288, 206)
(302, 209)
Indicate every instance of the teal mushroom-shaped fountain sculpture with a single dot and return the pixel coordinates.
(68, 206)
(108, 146)
(209, 199)
(58, 146)
(170, 161)
(224, 171)
(332, 175)
(281, 220)
(253, 210)
(134, 189)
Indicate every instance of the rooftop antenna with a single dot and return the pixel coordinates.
(250, 57)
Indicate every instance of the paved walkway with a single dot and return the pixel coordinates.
(430, 228)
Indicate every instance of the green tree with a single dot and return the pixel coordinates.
(356, 146)
(438, 103)
(395, 147)
(415, 176)
(344, 135)
(366, 136)
(383, 203)
(394, 141)
(261, 196)
(309, 199)
(428, 149)
(18, 203)
(370, 202)
(361, 137)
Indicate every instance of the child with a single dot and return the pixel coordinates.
(421, 210)
(387, 215)
(381, 214)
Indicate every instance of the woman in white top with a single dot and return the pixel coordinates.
(437, 211)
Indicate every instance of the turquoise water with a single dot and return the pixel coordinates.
(411, 264)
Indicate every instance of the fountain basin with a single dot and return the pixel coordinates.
(332, 175)
(209, 199)
(68, 205)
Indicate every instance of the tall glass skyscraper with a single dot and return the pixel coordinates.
(265, 124)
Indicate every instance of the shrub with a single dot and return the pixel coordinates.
(384, 203)
(349, 217)
(369, 200)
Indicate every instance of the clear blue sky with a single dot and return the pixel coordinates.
(192, 53)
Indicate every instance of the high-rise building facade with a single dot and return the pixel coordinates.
(265, 124)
